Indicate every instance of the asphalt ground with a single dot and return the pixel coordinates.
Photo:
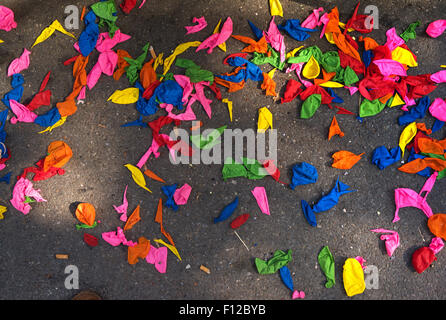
(96, 172)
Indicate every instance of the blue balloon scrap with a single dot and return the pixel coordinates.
(417, 112)
(137, 122)
(3, 117)
(426, 172)
(331, 199)
(308, 213)
(169, 191)
(295, 31)
(49, 118)
(239, 77)
(383, 158)
(17, 90)
(303, 173)
(6, 178)
(89, 37)
(438, 124)
(4, 152)
(336, 98)
(325, 203)
(144, 106)
(257, 32)
(285, 274)
(252, 71)
(227, 211)
(367, 57)
(168, 91)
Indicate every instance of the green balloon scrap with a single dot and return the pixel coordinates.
(410, 33)
(330, 61)
(310, 105)
(107, 13)
(208, 142)
(442, 173)
(305, 54)
(135, 65)
(250, 168)
(326, 261)
(370, 108)
(273, 59)
(194, 72)
(271, 266)
(85, 226)
(350, 76)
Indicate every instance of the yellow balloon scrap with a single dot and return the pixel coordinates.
(275, 8)
(158, 61)
(170, 247)
(397, 101)
(329, 37)
(178, 50)
(229, 103)
(293, 52)
(57, 124)
(137, 176)
(342, 25)
(311, 69)
(126, 96)
(217, 28)
(3, 209)
(271, 73)
(353, 277)
(404, 56)
(407, 135)
(331, 84)
(265, 120)
(48, 31)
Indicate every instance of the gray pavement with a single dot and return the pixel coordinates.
(96, 173)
